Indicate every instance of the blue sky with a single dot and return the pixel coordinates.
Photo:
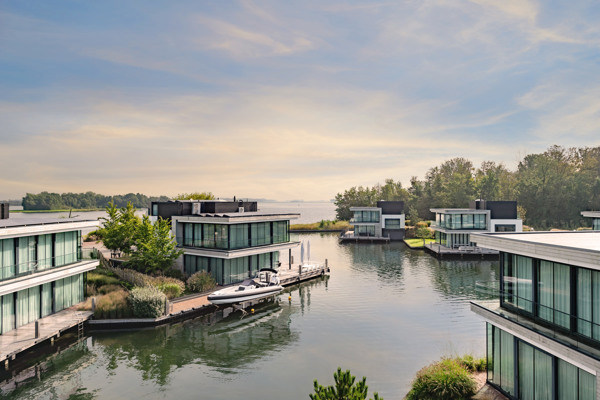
(286, 100)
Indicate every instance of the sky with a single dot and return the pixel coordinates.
(285, 100)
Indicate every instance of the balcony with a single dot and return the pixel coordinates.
(20, 270)
(533, 326)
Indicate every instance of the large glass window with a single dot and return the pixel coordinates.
(364, 230)
(554, 282)
(535, 373)
(7, 258)
(239, 236)
(27, 254)
(281, 232)
(517, 279)
(588, 303)
(44, 251)
(392, 223)
(480, 221)
(468, 221)
(8, 312)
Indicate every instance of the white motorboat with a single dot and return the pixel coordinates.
(264, 285)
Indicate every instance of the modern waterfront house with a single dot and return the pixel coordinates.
(230, 240)
(41, 268)
(543, 333)
(453, 226)
(596, 218)
(384, 222)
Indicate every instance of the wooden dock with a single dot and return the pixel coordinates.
(471, 253)
(301, 273)
(48, 328)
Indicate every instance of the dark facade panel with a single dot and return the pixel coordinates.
(502, 209)
(4, 210)
(168, 209)
(393, 234)
(391, 207)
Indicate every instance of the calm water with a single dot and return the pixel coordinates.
(384, 312)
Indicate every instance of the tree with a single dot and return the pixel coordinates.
(423, 232)
(195, 196)
(344, 389)
(119, 230)
(155, 247)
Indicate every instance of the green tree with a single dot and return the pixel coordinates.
(120, 229)
(155, 247)
(195, 196)
(344, 389)
(423, 232)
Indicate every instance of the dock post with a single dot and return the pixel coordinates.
(37, 329)
(326, 264)
(6, 364)
(93, 304)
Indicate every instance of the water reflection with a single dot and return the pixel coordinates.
(385, 260)
(458, 278)
(46, 379)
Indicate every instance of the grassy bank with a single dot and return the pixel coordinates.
(322, 225)
(417, 243)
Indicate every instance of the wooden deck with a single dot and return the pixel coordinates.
(50, 327)
(473, 252)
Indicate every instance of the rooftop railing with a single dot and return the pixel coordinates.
(539, 317)
(13, 271)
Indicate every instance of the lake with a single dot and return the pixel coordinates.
(384, 312)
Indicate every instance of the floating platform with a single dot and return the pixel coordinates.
(364, 239)
(464, 252)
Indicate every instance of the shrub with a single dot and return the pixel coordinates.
(174, 273)
(112, 305)
(99, 280)
(200, 282)
(447, 379)
(147, 302)
(170, 289)
(105, 289)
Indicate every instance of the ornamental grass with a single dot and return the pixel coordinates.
(447, 379)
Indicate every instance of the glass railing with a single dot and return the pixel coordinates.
(31, 267)
(537, 316)
(224, 244)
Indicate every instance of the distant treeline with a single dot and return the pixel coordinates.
(12, 202)
(551, 188)
(89, 200)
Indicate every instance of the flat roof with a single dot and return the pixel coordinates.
(459, 210)
(591, 214)
(580, 248)
(249, 215)
(14, 223)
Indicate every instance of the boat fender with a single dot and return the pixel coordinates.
(252, 310)
(290, 298)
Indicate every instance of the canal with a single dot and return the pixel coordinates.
(384, 312)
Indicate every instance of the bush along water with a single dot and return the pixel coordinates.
(447, 379)
(200, 282)
(147, 302)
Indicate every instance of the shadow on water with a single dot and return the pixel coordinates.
(40, 375)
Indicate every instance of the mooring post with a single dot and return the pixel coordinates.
(37, 329)
(326, 264)
(6, 364)
(166, 307)
(93, 304)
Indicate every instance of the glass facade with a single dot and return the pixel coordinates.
(564, 296)
(25, 255)
(364, 230)
(461, 221)
(227, 271)
(236, 236)
(533, 373)
(505, 228)
(393, 223)
(453, 239)
(596, 224)
(366, 216)
(26, 306)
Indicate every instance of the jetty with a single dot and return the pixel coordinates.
(44, 329)
(465, 252)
